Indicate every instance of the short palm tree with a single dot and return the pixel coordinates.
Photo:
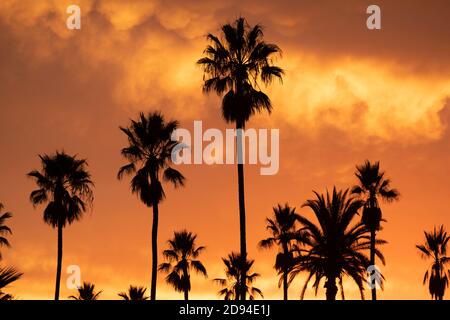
(134, 294)
(435, 248)
(7, 276)
(334, 246)
(234, 65)
(64, 184)
(372, 186)
(234, 265)
(182, 258)
(86, 292)
(285, 235)
(4, 229)
(149, 153)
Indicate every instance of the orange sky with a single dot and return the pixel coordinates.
(348, 94)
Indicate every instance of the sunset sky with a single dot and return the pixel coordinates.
(349, 94)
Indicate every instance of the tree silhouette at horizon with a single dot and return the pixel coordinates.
(86, 292)
(149, 153)
(65, 185)
(234, 65)
(435, 248)
(373, 185)
(134, 293)
(334, 245)
(182, 257)
(288, 238)
(234, 264)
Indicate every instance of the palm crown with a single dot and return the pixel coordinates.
(435, 248)
(182, 257)
(86, 292)
(373, 184)
(234, 267)
(235, 64)
(334, 246)
(149, 155)
(134, 293)
(65, 184)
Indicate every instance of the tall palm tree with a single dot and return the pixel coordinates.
(234, 65)
(334, 246)
(435, 248)
(182, 257)
(134, 294)
(65, 185)
(284, 234)
(86, 292)
(149, 155)
(234, 266)
(7, 276)
(372, 186)
(4, 229)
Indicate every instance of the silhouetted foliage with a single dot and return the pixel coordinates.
(285, 235)
(334, 246)
(4, 229)
(7, 276)
(235, 265)
(134, 293)
(435, 248)
(182, 258)
(86, 292)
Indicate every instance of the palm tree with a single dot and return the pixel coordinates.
(435, 248)
(134, 293)
(86, 292)
(334, 246)
(65, 185)
(373, 185)
(233, 66)
(4, 229)
(180, 256)
(235, 265)
(287, 237)
(149, 156)
(7, 276)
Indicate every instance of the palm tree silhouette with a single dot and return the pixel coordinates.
(435, 248)
(287, 237)
(86, 292)
(180, 256)
(234, 266)
(233, 67)
(7, 276)
(373, 185)
(4, 229)
(65, 185)
(149, 155)
(334, 246)
(134, 294)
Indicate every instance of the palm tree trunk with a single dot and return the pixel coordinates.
(242, 226)
(154, 251)
(285, 285)
(372, 261)
(59, 261)
(331, 288)
(186, 295)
